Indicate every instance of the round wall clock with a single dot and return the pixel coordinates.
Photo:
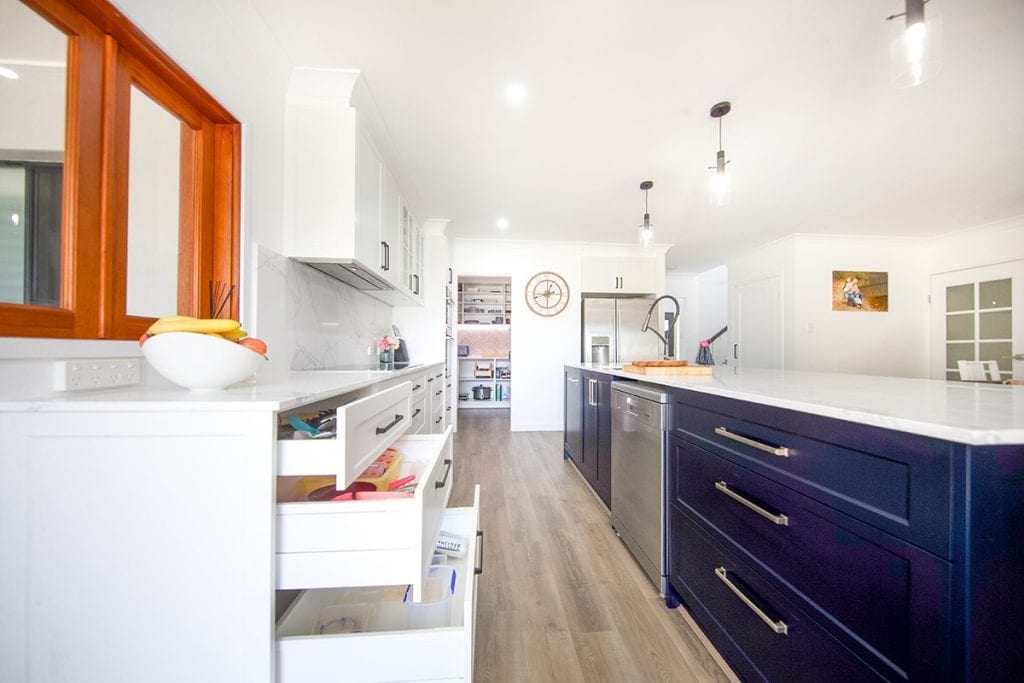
(547, 294)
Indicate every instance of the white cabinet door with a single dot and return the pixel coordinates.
(637, 275)
(369, 169)
(391, 229)
(619, 275)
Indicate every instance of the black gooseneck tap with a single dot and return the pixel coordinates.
(671, 323)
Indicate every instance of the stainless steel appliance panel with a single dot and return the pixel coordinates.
(632, 343)
(639, 421)
(617, 321)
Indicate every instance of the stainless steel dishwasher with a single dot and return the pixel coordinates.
(639, 424)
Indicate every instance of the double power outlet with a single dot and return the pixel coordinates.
(96, 373)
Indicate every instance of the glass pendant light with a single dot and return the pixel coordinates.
(721, 190)
(646, 229)
(915, 45)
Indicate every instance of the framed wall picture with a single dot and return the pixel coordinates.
(858, 290)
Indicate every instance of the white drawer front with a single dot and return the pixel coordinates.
(366, 427)
(400, 655)
(419, 415)
(368, 542)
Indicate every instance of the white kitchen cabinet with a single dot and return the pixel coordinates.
(343, 208)
(399, 653)
(332, 187)
(123, 516)
(438, 391)
(412, 253)
(619, 275)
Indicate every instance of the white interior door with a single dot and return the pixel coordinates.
(978, 315)
(758, 323)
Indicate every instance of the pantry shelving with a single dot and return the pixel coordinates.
(484, 301)
(485, 382)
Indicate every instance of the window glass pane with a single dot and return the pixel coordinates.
(996, 325)
(995, 294)
(12, 234)
(33, 82)
(997, 351)
(954, 376)
(960, 298)
(154, 153)
(960, 326)
(958, 352)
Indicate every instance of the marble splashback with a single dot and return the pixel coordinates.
(314, 319)
(485, 341)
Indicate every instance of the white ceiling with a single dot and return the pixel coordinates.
(619, 92)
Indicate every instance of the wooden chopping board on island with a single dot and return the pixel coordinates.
(666, 367)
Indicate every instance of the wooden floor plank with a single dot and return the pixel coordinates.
(561, 598)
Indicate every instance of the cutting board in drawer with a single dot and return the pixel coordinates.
(677, 370)
(402, 654)
(367, 542)
(366, 428)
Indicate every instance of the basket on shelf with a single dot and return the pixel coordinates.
(483, 370)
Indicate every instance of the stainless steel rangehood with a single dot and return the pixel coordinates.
(349, 271)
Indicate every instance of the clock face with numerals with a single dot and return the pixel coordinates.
(547, 294)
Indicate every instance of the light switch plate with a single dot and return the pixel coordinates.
(95, 373)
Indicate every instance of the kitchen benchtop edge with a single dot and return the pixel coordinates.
(965, 412)
(284, 392)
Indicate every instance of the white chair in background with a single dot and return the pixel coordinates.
(979, 370)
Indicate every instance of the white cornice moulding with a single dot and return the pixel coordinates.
(435, 227)
(316, 82)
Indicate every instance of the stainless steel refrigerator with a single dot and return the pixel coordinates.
(614, 323)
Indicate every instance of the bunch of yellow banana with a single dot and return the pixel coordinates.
(220, 327)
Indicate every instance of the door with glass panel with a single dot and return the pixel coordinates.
(978, 316)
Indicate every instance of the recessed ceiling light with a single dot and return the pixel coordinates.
(502, 223)
(515, 93)
(8, 73)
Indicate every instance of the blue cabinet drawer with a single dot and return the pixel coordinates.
(760, 633)
(883, 598)
(894, 481)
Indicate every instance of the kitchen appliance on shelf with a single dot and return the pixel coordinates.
(611, 331)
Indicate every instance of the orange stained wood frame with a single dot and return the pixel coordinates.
(106, 56)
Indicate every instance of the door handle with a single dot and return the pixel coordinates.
(387, 428)
(447, 471)
(479, 568)
(779, 519)
(736, 351)
(779, 626)
(383, 255)
(780, 451)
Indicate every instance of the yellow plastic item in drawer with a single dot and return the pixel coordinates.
(383, 471)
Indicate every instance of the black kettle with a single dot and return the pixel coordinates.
(402, 352)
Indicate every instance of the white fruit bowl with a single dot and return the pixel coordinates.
(200, 362)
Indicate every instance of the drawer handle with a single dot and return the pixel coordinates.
(782, 520)
(417, 388)
(438, 392)
(777, 626)
(387, 428)
(447, 471)
(774, 450)
(418, 411)
(438, 420)
(479, 568)
(574, 380)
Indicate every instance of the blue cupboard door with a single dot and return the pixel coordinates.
(762, 635)
(573, 428)
(883, 598)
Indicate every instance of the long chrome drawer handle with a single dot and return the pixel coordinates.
(774, 450)
(387, 428)
(782, 520)
(479, 568)
(777, 626)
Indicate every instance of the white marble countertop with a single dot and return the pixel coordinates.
(281, 393)
(965, 412)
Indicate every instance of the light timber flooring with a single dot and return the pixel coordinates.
(560, 597)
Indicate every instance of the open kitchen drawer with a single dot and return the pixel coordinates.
(442, 653)
(367, 542)
(365, 428)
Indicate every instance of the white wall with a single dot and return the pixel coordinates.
(817, 338)
(984, 245)
(713, 312)
(540, 345)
